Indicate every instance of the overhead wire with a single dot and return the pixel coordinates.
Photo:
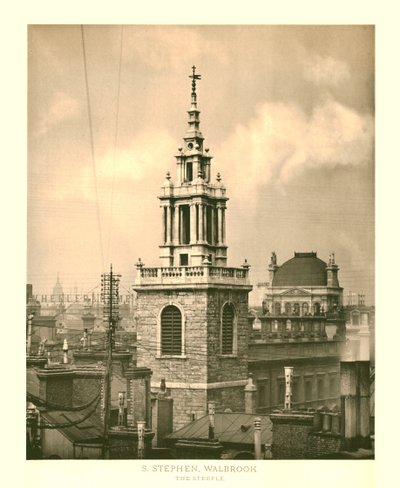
(92, 146)
(115, 145)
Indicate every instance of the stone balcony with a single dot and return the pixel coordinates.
(193, 275)
(194, 188)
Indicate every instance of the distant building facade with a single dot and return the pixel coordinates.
(302, 325)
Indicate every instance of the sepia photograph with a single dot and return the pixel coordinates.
(200, 244)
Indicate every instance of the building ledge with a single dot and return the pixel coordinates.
(193, 275)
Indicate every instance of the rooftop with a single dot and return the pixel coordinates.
(304, 269)
(232, 428)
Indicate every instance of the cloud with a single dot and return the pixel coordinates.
(282, 140)
(62, 107)
(170, 48)
(149, 156)
(325, 70)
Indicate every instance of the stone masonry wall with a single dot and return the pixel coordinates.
(232, 398)
(186, 403)
(203, 363)
(178, 370)
(322, 444)
(222, 368)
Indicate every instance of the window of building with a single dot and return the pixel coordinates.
(281, 392)
(317, 308)
(288, 308)
(355, 318)
(288, 325)
(184, 259)
(296, 308)
(308, 390)
(316, 327)
(171, 331)
(321, 387)
(295, 391)
(185, 224)
(262, 394)
(227, 331)
(275, 326)
(189, 172)
(332, 386)
(277, 308)
(305, 308)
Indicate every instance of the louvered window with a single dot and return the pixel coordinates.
(171, 330)
(227, 329)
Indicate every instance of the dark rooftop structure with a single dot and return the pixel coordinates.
(230, 428)
(304, 269)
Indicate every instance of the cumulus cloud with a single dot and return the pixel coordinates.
(325, 70)
(282, 140)
(149, 155)
(62, 107)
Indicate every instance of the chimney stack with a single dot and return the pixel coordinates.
(257, 438)
(288, 387)
(121, 403)
(250, 392)
(211, 415)
(65, 352)
(29, 340)
(272, 268)
(140, 429)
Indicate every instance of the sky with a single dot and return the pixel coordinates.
(287, 112)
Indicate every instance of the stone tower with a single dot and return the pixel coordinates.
(192, 310)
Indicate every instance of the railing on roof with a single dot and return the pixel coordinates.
(192, 274)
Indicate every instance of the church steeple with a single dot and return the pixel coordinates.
(193, 209)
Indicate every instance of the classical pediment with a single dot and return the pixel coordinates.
(296, 292)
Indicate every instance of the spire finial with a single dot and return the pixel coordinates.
(194, 77)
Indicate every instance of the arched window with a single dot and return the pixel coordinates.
(296, 308)
(171, 331)
(277, 308)
(288, 308)
(304, 308)
(227, 331)
(317, 308)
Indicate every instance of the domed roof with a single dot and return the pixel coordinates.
(305, 269)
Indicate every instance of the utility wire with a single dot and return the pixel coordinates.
(92, 146)
(115, 145)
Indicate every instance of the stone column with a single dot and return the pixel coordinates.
(219, 216)
(201, 222)
(163, 222)
(192, 223)
(223, 227)
(176, 225)
(348, 393)
(168, 224)
(212, 226)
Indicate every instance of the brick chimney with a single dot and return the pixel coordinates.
(250, 392)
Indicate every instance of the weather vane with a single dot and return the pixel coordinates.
(194, 77)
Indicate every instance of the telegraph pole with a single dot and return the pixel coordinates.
(110, 299)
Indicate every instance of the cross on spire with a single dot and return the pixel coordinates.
(194, 77)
